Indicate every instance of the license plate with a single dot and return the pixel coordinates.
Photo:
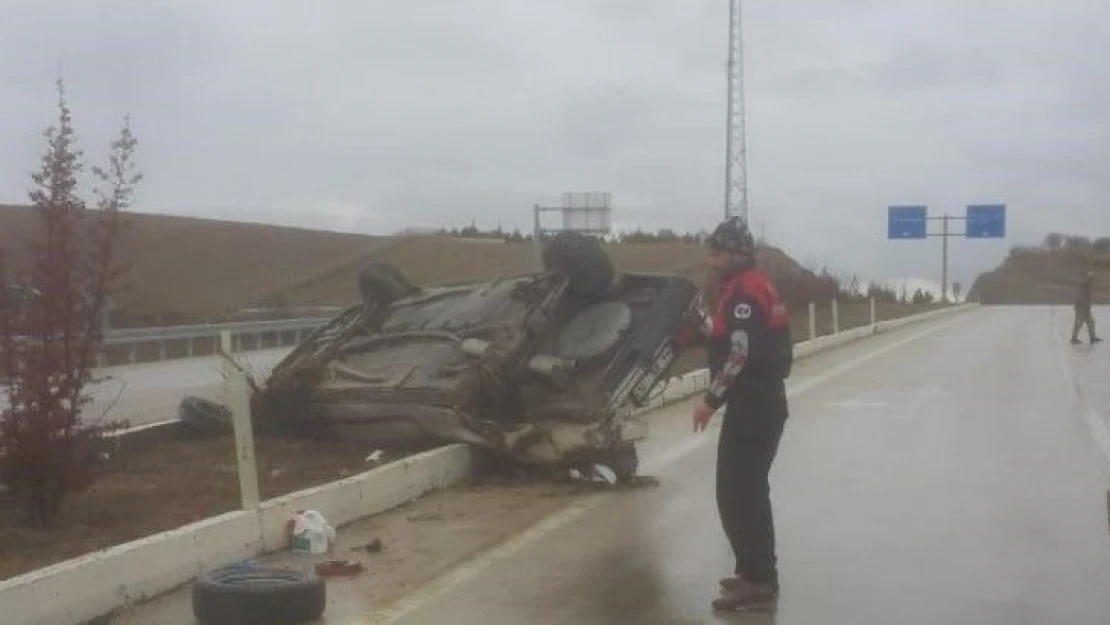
(655, 368)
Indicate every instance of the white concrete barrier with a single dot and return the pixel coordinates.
(85, 588)
(367, 494)
(82, 589)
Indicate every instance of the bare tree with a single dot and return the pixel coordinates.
(51, 340)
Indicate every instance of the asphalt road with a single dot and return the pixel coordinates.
(947, 473)
(151, 392)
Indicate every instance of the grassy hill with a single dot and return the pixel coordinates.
(187, 270)
(1046, 274)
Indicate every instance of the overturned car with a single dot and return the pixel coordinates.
(540, 368)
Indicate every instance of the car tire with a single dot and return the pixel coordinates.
(380, 281)
(583, 261)
(624, 461)
(203, 417)
(258, 596)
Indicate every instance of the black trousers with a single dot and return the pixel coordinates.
(753, 425)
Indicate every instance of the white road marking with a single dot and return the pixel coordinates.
(857, 404)
(1087, 412)
(573, 512)
(1098, 429)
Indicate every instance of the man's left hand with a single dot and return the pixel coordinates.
(702, 414)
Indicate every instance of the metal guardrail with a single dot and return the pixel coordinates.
(171, 333)
(160, 336)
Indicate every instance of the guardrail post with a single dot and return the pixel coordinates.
(189, 347)
(812, 321)
(132, 354)
(836, 316)
(239, 394)
(874, 318)
(162, 350)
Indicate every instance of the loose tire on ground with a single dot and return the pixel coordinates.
(203, 417)
(580, 258)
(235, 596)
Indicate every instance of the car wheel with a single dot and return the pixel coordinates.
(258, 596)
(379, 281)
(583, 261)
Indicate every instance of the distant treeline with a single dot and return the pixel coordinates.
(664, 235)
(821, 285)
(1056, 241)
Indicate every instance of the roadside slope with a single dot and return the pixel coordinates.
(1044, 275)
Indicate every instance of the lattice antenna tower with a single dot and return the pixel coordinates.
(736, 146)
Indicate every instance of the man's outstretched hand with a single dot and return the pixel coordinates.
(702, 414)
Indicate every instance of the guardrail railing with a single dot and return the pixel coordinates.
(134, 345)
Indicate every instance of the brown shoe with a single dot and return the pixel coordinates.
(742, 595)
(729, 583)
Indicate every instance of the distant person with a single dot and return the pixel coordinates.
(750, 354)
(1083, 314)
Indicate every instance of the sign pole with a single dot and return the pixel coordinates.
(982, 221)
(944, 262)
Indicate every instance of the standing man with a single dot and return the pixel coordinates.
(750, 355)
(1083, 315)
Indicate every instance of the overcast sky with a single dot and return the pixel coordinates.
(375, 115)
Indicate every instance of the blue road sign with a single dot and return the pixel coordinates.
(907, 222)
(986, 221)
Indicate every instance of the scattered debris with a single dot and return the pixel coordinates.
(643, 481)
(337, 568)
(374, 546)
(311, 533)
(418, 518)
(376, 457)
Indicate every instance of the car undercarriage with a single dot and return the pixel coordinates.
(541, 369)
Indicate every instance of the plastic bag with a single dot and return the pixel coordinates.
(311, 533)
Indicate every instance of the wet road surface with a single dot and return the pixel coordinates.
(946, 473)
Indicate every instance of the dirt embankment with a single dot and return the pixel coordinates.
(187, 270)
